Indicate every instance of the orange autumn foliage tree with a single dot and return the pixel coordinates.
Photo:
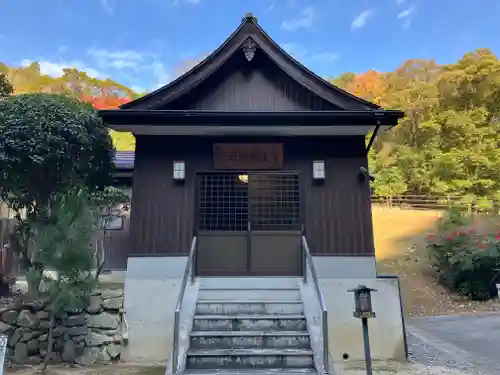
(105, 101)
(370, 86)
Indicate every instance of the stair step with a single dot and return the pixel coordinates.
(210, 307)
(255, 294)
(249, 358)
(250, 339)
(249, 282)
(249, 333)
(249, 322)
(243, 371)
(248, 352)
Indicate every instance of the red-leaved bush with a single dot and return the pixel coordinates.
(466, 261)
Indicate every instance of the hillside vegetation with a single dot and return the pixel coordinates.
(102, 93)
(401, 250)
(448, 143)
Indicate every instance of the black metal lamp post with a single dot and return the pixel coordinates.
(363, 310)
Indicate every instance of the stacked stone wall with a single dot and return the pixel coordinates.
(93, 335)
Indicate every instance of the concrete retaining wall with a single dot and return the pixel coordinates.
(152, 287)
(387, 337)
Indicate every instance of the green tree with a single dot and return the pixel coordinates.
(49, 144)
(448, 143)
(6, 87)
(343, 80)
(62, 245)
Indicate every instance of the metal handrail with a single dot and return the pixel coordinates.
(188, 275)
(324, 313)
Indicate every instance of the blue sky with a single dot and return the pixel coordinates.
(143, 43)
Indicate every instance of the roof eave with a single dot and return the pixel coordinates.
(216, 123)
(291, 118)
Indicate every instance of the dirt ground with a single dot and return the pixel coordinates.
(382, 368)
(400, 249)
(115, 369)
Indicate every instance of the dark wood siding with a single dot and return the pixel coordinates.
(162, 217)
(263, 87)
(116, 245)
(337, 213)
(338, 217)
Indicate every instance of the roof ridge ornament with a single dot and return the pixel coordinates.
(249, 47)
(249, 17)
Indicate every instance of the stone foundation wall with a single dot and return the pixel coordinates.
(84, 337)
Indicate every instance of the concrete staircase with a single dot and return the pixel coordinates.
(250, 325)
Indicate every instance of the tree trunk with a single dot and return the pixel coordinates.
(48, 356)
(4, 286)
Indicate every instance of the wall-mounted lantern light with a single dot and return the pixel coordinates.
(318, 170)
(179, 168)
(364, 174)
(363, 309)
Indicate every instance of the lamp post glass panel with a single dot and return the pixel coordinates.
(363, 302)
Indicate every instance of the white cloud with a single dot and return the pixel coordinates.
(108, 7)
(325, 56)
(361, 19)
(143, 70)
(406, 16)
(179, 2)
(138, 89)
(294, 50)
(303, 21)
(117, 59)
(145, 64)
(302, 54)
(56, 69)
(406, 13)
(160, 74)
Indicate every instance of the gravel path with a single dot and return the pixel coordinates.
(447, 345)
(431, 353)
(465, 344)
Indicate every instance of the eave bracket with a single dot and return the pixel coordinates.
(372, 138)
